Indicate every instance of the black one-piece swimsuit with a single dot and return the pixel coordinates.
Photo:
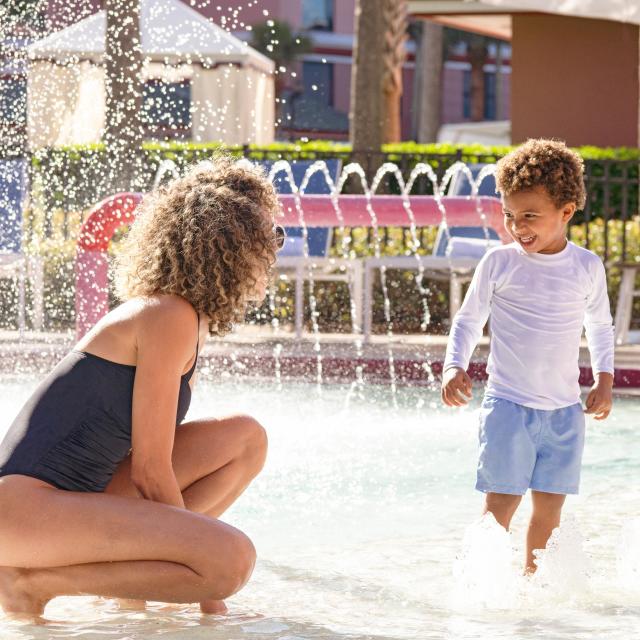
(75, 429)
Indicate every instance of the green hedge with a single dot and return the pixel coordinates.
(68, 181)
(75, 178)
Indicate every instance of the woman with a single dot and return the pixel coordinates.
(100, 493)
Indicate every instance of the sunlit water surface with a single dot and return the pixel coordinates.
(366, 525)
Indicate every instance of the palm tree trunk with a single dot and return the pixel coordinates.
(395, 37)
(123, 134)
(376, 77)
(427, 94)
(499, 81)
(365, 116)
(477, 58)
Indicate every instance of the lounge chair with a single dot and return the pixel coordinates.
(14, 263)
(456, 252)
(294, 264)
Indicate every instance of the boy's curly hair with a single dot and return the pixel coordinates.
(204, 237)
(543, 163)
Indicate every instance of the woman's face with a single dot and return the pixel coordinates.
(261, 273)
(261, 277)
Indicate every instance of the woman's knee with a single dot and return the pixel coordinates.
(225, 577)
(254, 440)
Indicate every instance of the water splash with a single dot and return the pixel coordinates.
(283, 166)
(628, 556)
(166, 167)
(488, 573)
(564, 569)
(484, 573)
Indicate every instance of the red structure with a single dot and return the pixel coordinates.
(92, 293)
(92, 265)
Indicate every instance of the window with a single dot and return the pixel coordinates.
(13, 100)
(317, 14)
(466, 94)
(318, 81)
(489, 96)
(167, 104)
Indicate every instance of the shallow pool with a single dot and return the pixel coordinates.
(364, 523)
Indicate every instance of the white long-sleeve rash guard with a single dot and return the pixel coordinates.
(538, 305)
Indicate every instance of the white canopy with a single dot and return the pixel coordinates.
(493, 17)
(232, 87)
(169, 29)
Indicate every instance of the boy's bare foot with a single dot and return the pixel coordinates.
(217, 607)
(17, 596)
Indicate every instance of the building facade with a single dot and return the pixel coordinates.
(317, 90)
(326, 71)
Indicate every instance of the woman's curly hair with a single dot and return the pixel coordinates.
(204, 237)
(543, 163)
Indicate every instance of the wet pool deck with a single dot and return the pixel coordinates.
(258, 352)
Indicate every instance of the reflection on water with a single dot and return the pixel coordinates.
(367, 526)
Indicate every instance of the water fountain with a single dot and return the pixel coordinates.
(360, 512)
(334, 210)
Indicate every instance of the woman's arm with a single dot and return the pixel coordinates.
(166, 342)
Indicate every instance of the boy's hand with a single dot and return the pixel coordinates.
(600, 397)
(456, 387)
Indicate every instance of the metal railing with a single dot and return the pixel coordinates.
(608, 224)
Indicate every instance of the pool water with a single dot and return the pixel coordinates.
(367, 526)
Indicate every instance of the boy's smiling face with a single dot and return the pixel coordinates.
(532, 219)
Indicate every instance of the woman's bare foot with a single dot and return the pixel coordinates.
(217, 607)
(131, 605)
(17, 595)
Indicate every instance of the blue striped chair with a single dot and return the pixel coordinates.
(292, 263)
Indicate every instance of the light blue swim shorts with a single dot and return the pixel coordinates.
(522, 448)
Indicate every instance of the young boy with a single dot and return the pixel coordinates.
(540, 291)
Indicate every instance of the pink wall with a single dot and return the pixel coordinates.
(343, 18)
(506, 97)
(283, 10)
(452, 105)
(289, 10)
(407, 102)
(342, 87)
(342, 95)
(62, 13)
(452, 95)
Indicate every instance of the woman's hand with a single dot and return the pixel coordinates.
(156, 481)
(166, 341)
(456, 387)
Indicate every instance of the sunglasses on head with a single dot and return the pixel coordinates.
(280, 234)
